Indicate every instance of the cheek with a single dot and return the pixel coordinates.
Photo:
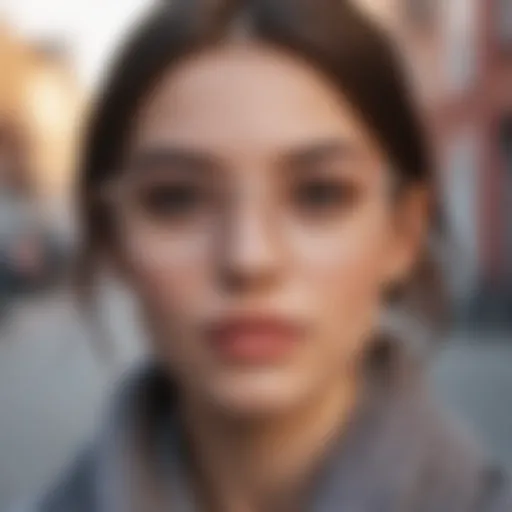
(168, 276)
(352, 256)
(343, 270)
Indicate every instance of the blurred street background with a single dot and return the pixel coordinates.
(55, 370)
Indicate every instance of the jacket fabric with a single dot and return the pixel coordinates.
(401, 453)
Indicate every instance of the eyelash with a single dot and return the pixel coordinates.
(177, 201)
(323, 195)
(171, 201)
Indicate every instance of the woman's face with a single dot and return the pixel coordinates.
(257, 228)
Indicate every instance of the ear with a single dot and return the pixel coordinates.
(410, 231)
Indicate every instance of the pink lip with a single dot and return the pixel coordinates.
(254, 339)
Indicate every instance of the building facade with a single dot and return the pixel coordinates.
(460, 55)
(42, 103)
(472, 123)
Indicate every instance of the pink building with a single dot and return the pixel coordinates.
(461, 58)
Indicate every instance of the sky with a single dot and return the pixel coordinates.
(90, 28)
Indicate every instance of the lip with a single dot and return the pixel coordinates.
(254, 339)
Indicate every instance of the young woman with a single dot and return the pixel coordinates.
(257, 174)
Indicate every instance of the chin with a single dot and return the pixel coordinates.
(258, 393)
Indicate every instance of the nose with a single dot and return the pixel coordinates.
(251, 250)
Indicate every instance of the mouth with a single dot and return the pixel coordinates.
(254, 339)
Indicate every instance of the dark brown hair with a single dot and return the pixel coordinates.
(340, 40)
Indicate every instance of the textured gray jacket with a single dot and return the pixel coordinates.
(400, 454)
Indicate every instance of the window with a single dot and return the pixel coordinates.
(460, 39)
(506, 159)
(504, 22)
(461, 205)
(421, 12)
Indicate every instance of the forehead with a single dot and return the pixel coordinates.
(246, 96)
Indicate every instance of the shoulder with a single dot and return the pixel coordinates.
(74, 492)
(496, 493)
(88, 483)
(459, 475)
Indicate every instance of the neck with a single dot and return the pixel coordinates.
(264, 464)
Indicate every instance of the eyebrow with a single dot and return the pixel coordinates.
(325, 150)
(194, 161)
(176, 159)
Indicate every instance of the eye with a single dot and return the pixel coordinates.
(323, 195)
(171, 201)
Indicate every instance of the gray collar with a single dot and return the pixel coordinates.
(395, 456)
